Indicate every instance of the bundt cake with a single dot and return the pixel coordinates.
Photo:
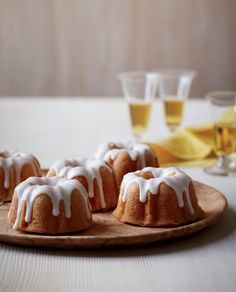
(157, 197)
(50, 206)
(15, 167)
(126, 157)
(97, 177)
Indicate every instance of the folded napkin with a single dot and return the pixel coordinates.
(192, 146)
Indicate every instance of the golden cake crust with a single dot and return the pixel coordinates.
(109, 192)
(26, 170)
(42, 219)
(156, 211)
(123, 163)
(160, 209)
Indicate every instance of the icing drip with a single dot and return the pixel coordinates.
(179, 182)
(55, 188)
(17, 160)
(134, 150)
(88, 168)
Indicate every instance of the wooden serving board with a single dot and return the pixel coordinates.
(107, 231)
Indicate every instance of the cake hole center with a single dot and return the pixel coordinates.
(172, 173)
(146, 175)
(113, 146)
(2, 154)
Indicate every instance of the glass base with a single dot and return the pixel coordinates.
(172, 129)
(223, 167)
(218, 171)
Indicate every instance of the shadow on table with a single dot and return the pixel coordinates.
(220, 231)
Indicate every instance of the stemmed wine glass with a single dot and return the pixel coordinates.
(139, 89)
(223, 114)
(174, 87)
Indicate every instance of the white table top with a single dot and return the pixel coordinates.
(205, 261)
(53, 128)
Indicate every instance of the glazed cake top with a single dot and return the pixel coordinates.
(112, 150)
(172, 176)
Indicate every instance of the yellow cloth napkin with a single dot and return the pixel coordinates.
(192, 146)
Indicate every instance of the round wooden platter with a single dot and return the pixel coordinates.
(107, 231)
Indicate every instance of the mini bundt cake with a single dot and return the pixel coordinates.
(97, 177)
(126, 157)
(15, 167)
(50, 206)
(157, 197)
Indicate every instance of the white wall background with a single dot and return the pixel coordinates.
(76, 47)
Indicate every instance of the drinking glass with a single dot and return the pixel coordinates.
(223, 114)
(174, 87)
(139, 89)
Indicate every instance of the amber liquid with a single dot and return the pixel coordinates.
(225, 138)
(173, 112)
(140, 115)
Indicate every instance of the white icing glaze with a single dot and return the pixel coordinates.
(134, 150)
(179, 182)
(17, 160)
(55, 188)
(88, 168)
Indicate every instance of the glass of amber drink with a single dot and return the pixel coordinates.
(223, 113)
(174, 87)
(139, 89)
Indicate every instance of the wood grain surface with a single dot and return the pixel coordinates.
(107, 231)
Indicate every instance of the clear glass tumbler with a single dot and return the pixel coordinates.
(174, 87)
(139, 89)
(223, 115)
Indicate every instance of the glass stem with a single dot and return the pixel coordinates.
(222, 162)
(172, 129)
(137, 138)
